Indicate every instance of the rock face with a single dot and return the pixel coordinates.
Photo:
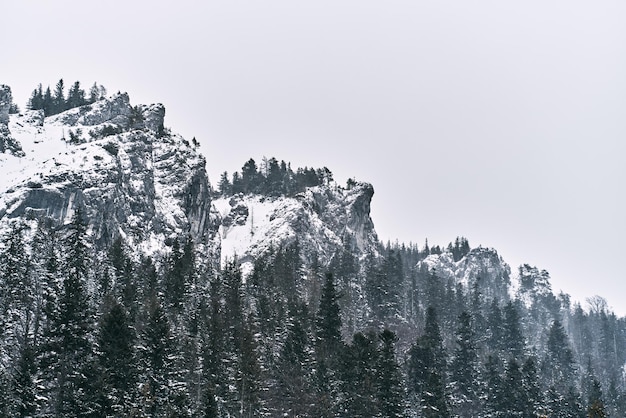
(323, 219)
(7, 142)
(132, 178)
(481, 267)
(115, 163)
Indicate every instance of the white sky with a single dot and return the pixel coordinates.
(500, 121)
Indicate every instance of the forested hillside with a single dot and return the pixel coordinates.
(109, 333)
(129, 286)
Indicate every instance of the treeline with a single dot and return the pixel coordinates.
(273, 178)
(88, 332)
(56, 102)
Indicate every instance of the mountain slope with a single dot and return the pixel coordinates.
(114, 161)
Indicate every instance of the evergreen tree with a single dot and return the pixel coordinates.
(513, 337)
(58, 100)
(559, 363)
(36, 99)
(360, 376)
(294, 389)
(116, 359)
(161, 386)
(389, 383)
(427, 369)
(74, 325)
(243, 369)
(328, 347)
(213, 347)
(464, 370)
(496, 399)
(533, 396)
(496, 331)
(24, 387)
(75, 96)
(514, 404)
(224, 186)
(595, 404)
(48, 103)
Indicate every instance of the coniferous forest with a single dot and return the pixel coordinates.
(90, 332)
(100, 329)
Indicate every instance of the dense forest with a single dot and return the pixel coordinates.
(88, 332)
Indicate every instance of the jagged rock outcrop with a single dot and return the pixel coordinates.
(117, 164)
(7, 142)
(481, 267)
(323, 219)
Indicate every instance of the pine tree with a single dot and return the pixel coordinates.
(242, 367)
(293, 376)
(328, 347)
(58, 100)
(513, 338)
(514, 404)
(214, 347)
(157, 361)
(224, 186)
(464, 369)
(24, 387)
(427, 369)
(533, 396)
(74, 324)
(75, 96)
(495, 403)
(390, 394)
(48, 103)
(360, 380)
(595, 404)
(36, 99)
(558, 363)
(116, 359)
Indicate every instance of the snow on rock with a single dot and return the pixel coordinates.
(532, 284)
(115, 162)
(133, 178)
(322, 219)
(482, 266)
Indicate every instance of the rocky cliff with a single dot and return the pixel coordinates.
(133, 179)
(323, 219)
(116, 162)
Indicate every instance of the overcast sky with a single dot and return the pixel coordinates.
(501, 121)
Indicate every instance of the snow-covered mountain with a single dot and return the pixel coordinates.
(117, 163)
(322, 219)
(134, 179)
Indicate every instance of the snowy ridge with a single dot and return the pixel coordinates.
(480, 264)
(132, 178)
(322, 219)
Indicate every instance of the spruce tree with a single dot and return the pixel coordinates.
(360, 380)
(116, 357)
(427, 369)
(464, 369)
(156, 360)
(328, 348)
(75, 96)
(293, 371)
(58, 100)
(74, 323)
(558, 364)
(513, 338)
(389, 386)
(595, 403)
